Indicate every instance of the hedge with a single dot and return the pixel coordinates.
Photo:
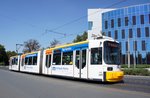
(137, 66)
(136, 71)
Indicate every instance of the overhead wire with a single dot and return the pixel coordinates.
(75, 20)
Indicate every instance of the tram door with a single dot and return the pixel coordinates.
(80, 69)
(48, 64)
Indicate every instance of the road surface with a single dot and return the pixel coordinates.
(21, 85)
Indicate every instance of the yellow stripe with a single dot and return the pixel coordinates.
(30, 53)
(72, 44)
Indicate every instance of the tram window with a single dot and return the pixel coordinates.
(12, 62)
(57, 59)
(26, 60)
(77, 62)
(96, 56)
(48, 60)
(67, 58)
(30, 61)
(16, 61)
(34, 60)
(83, 58)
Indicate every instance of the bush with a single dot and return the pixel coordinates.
(136, 71)
(137, 66)
(2, 63)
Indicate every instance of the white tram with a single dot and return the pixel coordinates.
(14, 63)
(94, 59)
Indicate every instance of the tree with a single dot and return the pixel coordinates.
(31, 45)
(3, 56)
(11, 53)
(54, 43)
(82, 37)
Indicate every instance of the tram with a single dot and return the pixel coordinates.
(92, 59)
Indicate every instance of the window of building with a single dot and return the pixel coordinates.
(138, 32)
(126, 21)
(130, 33)
(119, 22)
(116, 34)
(96, 56)
(57, 58)
(112, 23)
(126, 46)
(90, 25)
(109, 34)
(143, 45)
(135, 45)
(67, 58)
(106, 24)
(149, 18)
(147, 31)
(134, 20)
(142, 19)
(123, 34)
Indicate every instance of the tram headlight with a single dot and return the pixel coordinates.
(109, 68)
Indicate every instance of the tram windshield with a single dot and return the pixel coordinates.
(111, 53)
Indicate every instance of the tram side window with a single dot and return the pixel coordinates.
(57, 59)
(26, 61)
(67, 58)
(48, 60)
(12, 61)
(96, 56)
(34, 60)
(83, 58)
(16, 61)
(30, 61)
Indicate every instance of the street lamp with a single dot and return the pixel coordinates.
(18, 46)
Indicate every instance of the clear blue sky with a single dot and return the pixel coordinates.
(21, 20)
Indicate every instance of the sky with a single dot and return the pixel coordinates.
(21, 20)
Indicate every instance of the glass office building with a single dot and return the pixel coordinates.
(130, 24)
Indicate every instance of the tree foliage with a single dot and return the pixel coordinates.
(3, 56)
(31, 45)
(54, 43)
(82, 37)
(11, 53)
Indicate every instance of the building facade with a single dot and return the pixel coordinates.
(130, 24)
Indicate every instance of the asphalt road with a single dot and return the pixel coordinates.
(21, 85)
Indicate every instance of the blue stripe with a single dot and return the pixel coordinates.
(31, 55)
(71, 48)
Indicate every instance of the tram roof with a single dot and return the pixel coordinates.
(68, 45)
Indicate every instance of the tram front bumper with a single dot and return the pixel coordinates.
(114, 76)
